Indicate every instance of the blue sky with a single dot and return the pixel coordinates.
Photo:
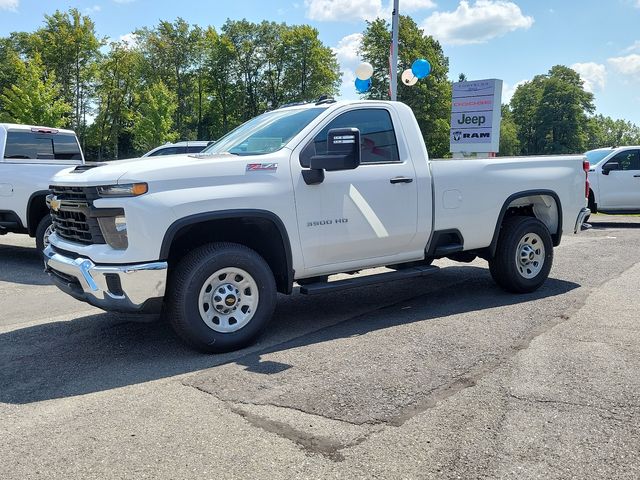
(508, 39)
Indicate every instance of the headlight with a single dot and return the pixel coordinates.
(114, 231)
(124, 190)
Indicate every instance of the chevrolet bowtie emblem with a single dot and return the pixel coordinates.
(55, 204)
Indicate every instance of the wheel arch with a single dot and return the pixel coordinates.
(36, 210)
(533, 203)
(260, 230)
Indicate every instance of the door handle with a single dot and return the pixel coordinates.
(401, 180)
(636, 176)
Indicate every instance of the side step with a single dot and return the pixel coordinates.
(444, 250)
(338, 285)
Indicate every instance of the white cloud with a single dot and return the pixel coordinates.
(355, 10)
(633, 47)
(11, 5)
(593, 74)
(92, 9)
(627, 65)
(129, 39)
(347, 50)
(347, 54)
(476, 23)
(414, 5)
(508, 90)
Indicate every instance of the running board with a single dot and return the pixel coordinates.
(339, 285)
(444, 250)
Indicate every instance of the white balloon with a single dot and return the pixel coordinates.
(364, 71)
(408, 78)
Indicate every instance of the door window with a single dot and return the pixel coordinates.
(377, 138)
(42, 146)
(628, 160)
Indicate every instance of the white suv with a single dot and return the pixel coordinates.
(29, 157)
(195, 146)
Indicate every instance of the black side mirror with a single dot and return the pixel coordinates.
(607, 167)
(343, 153)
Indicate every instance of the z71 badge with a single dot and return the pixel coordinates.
(262, 167)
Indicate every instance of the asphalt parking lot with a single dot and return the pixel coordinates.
(441, 377)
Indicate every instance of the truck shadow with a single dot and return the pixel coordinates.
(100, 352)
(609, 224)
(22, 265)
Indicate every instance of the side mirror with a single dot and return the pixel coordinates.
(343, 151)
(607, 167)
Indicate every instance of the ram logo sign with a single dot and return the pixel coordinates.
(475, 116)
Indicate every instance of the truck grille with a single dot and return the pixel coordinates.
(72, 220)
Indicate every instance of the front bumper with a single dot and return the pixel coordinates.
(584, 213)
(135, 288)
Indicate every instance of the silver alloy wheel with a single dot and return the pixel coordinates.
(228, 300)
(530, 255)
(47, 234)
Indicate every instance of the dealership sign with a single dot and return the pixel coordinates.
(475, 116)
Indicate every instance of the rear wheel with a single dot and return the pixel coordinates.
(43, 231)
(220, 297)
(524, 255)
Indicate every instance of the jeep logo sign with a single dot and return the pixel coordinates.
(475, 116)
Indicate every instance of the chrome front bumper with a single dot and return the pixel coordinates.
(120, 288)
(584, 213)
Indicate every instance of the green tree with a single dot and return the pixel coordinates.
(509, 143)
(607, 132)
(222, 84)
(117, 80)
(311, 69)
(551, 113)
(169, 50)
(430, 98)
(153, 121)
(70, 49)
(34, 98)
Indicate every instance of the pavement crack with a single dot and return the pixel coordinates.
(306, 412)
(314, 444)
(311, 443)
(614, 414)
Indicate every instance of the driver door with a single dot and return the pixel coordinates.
(365, 213)
(620, 189)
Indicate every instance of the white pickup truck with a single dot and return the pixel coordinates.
(29, 157)
(614, 178)
(298, 194)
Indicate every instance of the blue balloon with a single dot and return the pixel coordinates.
(363, 86)
(421, 68)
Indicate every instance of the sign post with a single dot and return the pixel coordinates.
(475, 117)
(393, 60)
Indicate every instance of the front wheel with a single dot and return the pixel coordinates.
(220, 297)
(43, 232)
(524, 255)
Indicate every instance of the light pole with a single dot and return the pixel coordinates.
(393, 62)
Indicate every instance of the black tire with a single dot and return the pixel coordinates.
(41, 231)
(505, 267)
(188, 279)
(591, 202)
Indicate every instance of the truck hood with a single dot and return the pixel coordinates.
(141, 169)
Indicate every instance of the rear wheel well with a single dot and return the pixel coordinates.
(593, 206)
(259, 234)
(36, 210)
(545, 206)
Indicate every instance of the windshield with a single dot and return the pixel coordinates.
(266, 133)
(596, 156)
